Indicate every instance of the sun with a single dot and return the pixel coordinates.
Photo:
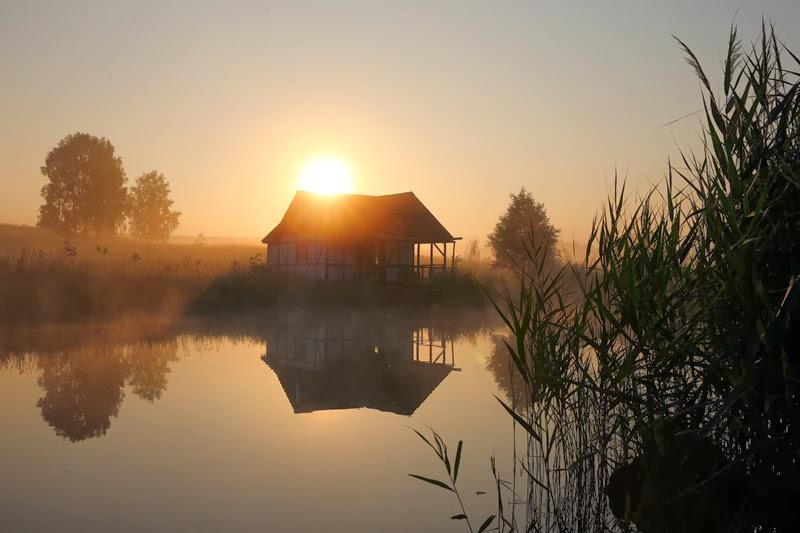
(325, 174)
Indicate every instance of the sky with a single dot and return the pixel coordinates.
(461, 102)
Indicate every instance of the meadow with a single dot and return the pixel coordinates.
(46, 278)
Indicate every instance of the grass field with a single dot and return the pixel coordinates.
(120, 252)
(46, 278)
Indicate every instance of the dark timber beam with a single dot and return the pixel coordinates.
(430, 261)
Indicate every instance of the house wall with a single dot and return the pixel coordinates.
(399, 258)
(273, 254)
(314, 259)
(319, 260)
(340, 262)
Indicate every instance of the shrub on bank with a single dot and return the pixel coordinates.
(260, 287)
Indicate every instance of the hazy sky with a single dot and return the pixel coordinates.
(460, 102)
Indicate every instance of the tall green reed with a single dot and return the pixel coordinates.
(664, 388)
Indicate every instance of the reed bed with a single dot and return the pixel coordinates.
(663, 396)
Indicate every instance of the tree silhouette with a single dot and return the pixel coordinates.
(524, 222)
(86, 188)
(151, 216)
(474, 251)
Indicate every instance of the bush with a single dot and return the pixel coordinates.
(258, 287)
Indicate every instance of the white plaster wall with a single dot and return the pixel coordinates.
(341, 264)
(398, 253)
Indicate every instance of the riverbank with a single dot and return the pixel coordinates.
(38, 287)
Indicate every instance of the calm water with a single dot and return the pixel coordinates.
(288, 424)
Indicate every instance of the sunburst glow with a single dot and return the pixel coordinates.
(326, 175)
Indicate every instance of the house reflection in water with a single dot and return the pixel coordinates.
(391, 368)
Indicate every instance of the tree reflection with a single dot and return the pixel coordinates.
(83, 390)
(84, 387)
(148, 366)
(505, 374)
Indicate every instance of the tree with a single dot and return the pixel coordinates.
(524, 222)
(473, 251)
(86, 188)
(149, 208)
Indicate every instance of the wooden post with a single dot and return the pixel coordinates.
(444, 258)
(430, 261)
(453, 262)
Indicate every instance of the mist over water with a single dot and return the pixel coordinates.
(271, 423)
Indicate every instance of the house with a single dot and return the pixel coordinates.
(392, 238)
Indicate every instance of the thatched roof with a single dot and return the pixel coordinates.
(352, 216)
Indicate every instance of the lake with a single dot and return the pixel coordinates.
(298, 422)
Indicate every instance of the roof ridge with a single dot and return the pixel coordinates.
(316, 194)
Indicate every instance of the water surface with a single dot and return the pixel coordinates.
(293, 423)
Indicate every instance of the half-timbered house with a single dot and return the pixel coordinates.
(392, 238)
